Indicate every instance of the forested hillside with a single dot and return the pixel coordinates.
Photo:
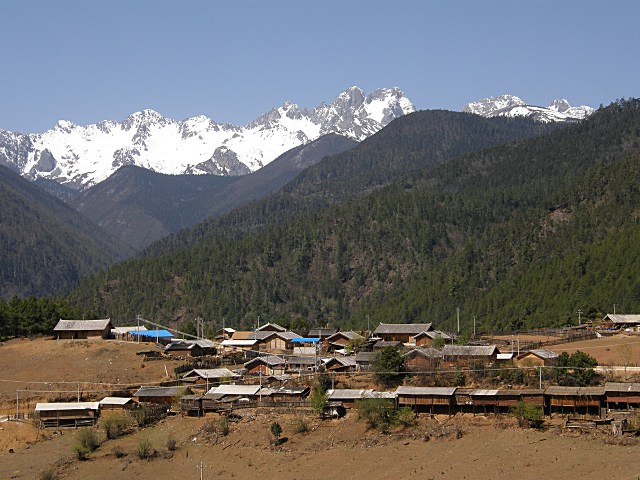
(521, 234)
(407, 145)
(45, 245)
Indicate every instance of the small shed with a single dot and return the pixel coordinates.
(425, 339)
(347, 397)
(423, 358)
(117, 404)
(536, 358)
(67, 414)
(301, 363)
(158, 336)
(431, 399)
(341, 339)
(82, 329)
(230, 393)
(365, 360)
(465, 354)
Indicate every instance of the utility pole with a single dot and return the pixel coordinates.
(579, 319)
(474, 326)
(614, 308)
(540, 372)
(138, 331)
(458, 315)
(368, 328)
(201, 467)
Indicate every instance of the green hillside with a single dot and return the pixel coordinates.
(521, 234)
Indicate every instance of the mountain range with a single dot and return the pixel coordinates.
(512, 106)
(81, 156)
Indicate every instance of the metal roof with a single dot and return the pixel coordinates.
(349, 335)
(622, 387)
(151, 333)
(366, 356)
(402, 328)
(345, 361)
(574, 391)
(211, 373)
(484, 393)
(321, 332)
(83, 325)
(159, 391)
(621, 318)
(505, 356)
(274, 326)
(469, 350)
(544, 353)
(123, 330)
(419, 391)
(427, 352)
(433, 334)
(426, 391)
(58, 406)
(346, 394)
(115, 400)
(305, 340)
(374, 394)
(238, 343)
(234, 390)
(267, 359)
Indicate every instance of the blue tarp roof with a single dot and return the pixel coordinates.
(152, 333)
(305, 340)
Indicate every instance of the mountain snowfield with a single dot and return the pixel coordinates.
(81, 156)
(512, 106)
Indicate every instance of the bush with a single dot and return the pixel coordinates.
(389, 367)
(376, 412)
(276, 430)
(404, 417)
(115, 424)
(528, 414)
(118, 452)
(318, 399)
(300, 425)
(87, 442)
(171, 444)
(222, 426)
(144, 449)
(47, 475)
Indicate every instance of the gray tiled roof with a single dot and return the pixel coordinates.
(426, 391)
(159, 392)
(402, 328)
(622, 387)
(469, 350)
(83, 325)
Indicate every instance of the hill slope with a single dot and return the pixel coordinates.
(45, 245)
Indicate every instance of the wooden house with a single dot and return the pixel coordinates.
(575, 399)
(117, 404)
(240, 345)
(619, 321)
(365, 360)
(270, 327)
(622, 396)
(427, 399)
(276, 341)
(501, 401)
(423, 358)
(231, 393)
(346, 397)
(190, 348)
(401, 332)
(208, 377)
(425, 339)
(301, 363)
(341, 364)
(166, 396)
(82, 329)
(290, 394)
(536, 358)
(340, 340)
(266, 365)
(467, 354)
(67, 414)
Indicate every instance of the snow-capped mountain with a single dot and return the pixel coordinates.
(80, 156)
(512, 106)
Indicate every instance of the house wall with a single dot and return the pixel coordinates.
(424, 342)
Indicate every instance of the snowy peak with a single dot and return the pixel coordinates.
(80, 156)
(512, 106)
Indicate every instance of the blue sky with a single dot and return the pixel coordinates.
(88, 60)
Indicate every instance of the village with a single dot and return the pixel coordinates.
(274, 374)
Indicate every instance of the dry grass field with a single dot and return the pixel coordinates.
(607, 350)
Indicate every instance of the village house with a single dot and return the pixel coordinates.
(575, 399)
(425, 339)
(82, 329)
(619, 321)
(266, 365)
(339, 340)
(162, 337)
(299, 364)
(401, 332)
(208, 377)
(423, 358)
(166, 396)
(348, 397)
(536, 358)
(240, 345)
(190, 348)
(365, 360)
(232, 393)
(341, 364)
(270, 327)
(468, 354)
(275, 341)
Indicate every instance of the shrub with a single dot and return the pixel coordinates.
(528, 414)
(118, 452)
(87, 442)
(375, 411)
(404, 417)
(276, 431)
(47, 475)
(115, 424)
(300, 425)
(389, 367)
(318, 399)
(222, 426)
(144, 449)
(171, 444)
